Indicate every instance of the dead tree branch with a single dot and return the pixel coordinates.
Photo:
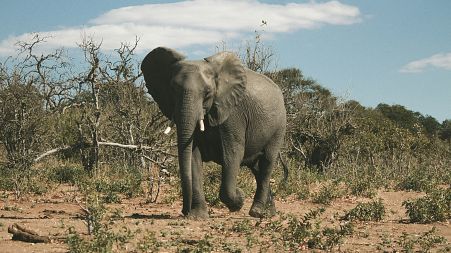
(103, 143)
(26, 235)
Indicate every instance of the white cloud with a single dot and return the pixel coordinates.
(197, 22)
(442, 61)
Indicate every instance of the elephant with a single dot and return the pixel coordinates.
(223, 113)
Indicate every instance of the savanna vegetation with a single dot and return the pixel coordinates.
(84, 126)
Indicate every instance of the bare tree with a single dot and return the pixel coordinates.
(49, 72)
(256, 55)
(49, 109)
(28, 93)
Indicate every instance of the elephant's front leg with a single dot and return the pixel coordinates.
(199, 206)
(230, 194)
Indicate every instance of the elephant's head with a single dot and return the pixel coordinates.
(188, 92)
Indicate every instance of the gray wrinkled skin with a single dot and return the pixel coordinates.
(244, 118)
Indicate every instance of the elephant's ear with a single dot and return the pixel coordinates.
(230, 85)
(156, 68)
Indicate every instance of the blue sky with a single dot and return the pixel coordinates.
(384, 51)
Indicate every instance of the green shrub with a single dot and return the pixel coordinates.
(435, 206)
(303, 192)
(101, 237)
(111, 183)
(303, 231)
(67, 174)
(102, 241)
(328, 193)
(298, 183)
(306, 232)
(212, 182)
(415, 243)
(6, 179)
(362, 186)
(429, 240)
(418, 180)
(112, 197)
(371, 211)
(232, 248)
(242, 226)
(149, 243)
(24, 181)
(205, 244)
(130, 185)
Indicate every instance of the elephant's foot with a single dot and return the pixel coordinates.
(259, 210)
(185, 211)
(198, 214)
(234, 203)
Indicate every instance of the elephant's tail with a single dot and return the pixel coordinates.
(285, 168)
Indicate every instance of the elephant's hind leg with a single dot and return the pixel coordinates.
(263, 204)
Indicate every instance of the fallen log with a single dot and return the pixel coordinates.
(23, 234)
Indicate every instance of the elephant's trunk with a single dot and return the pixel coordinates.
(186, 124)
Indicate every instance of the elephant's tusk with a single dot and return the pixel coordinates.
(201, 125)
(167, 130)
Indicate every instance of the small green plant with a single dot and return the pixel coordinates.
(435, 206)
(174, 191)
(205, 244)
(112, 197)
(67, 174)
(414, 243)
(332, 237)
(117, 214)
(6, 179)
(328, 193)
(103, 240)
(298, 183)
(75, 242)
(211, 183)
(94, 213)
(149, 243)
(242, 226)
(306, 233)
(251, 240)
(362, 186)
(129, 185)
(303, 192)
(178, 223)
(101, 237)
(371, 211)
(303, 231)
(386, 242)
(111, 184)
(12, 208)
(429, 240)
(232, 248)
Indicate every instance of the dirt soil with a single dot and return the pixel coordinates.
(53, 214)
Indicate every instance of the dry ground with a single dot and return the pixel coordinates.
(53, 213)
